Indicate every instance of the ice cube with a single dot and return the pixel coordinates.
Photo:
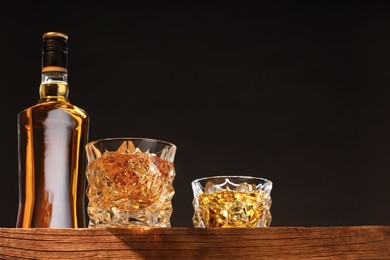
(210, 187)
(245, 187)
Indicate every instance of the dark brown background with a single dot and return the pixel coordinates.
(298, 94)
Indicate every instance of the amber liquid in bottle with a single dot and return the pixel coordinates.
(51, 136)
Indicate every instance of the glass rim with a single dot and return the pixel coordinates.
(232, 177)
(129, 139)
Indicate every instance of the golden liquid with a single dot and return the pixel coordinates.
(130, 190)
(233, 209)
(52, 137)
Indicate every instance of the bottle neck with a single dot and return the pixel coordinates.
(54, 76)
(54, 86)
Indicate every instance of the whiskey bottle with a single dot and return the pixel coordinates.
(52, 135)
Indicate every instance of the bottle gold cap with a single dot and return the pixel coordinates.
(55, 34)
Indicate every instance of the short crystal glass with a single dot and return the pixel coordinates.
(130, 182)
(231, 202)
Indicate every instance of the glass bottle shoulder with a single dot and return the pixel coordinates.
(53, 103)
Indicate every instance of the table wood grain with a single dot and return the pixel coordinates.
(340, 242)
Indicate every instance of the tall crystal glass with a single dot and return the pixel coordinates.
(130, 182)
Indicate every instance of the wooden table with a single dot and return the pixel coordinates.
(344, 242)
